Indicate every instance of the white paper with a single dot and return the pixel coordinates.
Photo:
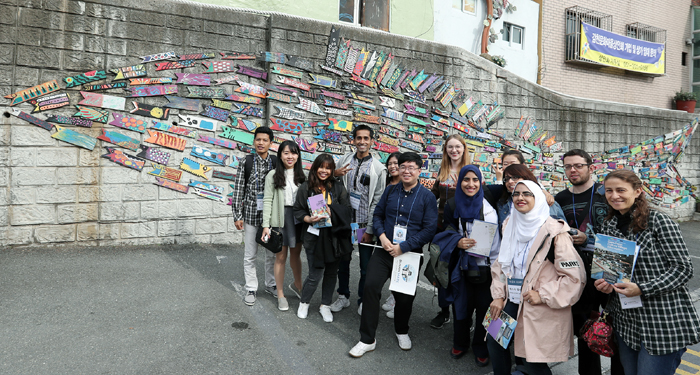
(314, 231)
(404, 273)
(483, 233)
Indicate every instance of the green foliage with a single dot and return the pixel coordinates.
(685, 96)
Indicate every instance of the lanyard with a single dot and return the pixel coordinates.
(522, 266)
(398, 202)
(357, 172)
(590, 207)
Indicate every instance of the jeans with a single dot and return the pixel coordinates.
(328, 273)
(640, 362)
(249, 257)
(500, 357)
(344, 273)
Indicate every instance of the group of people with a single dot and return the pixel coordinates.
(538, 267)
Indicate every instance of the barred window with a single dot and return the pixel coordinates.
(574, 16)
(645, 32)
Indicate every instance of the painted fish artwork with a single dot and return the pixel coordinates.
(128, 123)
(271, 95)
(290, 114)
(177, 102)
(281, 70)
(293, 83)
(193, 79)
(195, 168)
(208, 155)
(153, 154)
(103, 101)
(340, 125)
(104, 86)
(143, 109)
(286, 125)
(67, 120)
(73, 137)
(170, 65)
(237, 56)
(217, 142)
(149, 81)
(225, 105)
(273, 57)
(208, 187)
(206, 92)
(32, 92)
(198, 123)
(223, 175)
(166, 127)
(143, 91)
(249, 110)
(166, 140)
(119, 139)
(215, 113)
(323, 81)
(327, 135)
(162, 171)
(46, 103)
(129, 72)
(228, 79)
(251, 89)
(172, 185)
(158, 57)
(244, 99)
(237, 135)
(246, 124)
(94, 114)
(197, 56)
(305, 145)
(87, 77)
(218, 66)
(126, 160)
(208, 194)
(252, 72)
(310, 106)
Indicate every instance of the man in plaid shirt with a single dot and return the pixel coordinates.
(247, 212)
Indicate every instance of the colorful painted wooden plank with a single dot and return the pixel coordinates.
(351, 59)
(362, 111)
(417, 121)
(338, 111)
(384, 147)
(105, 86)
(418, 79)
(305, 145)
(237, 56)
(370, 64)
(387, 76)
(328, 135)
(46, 103)
(290, 114)
(237, 135)
(208, 155)
(208, 195)
(208, 187)
(198, 123)
(286, 125)
(103, 101)
(94, 114)
(251, 89)
(331, 103)
(206, 92)
(252, 72)
(367, 118)
(174, 129)
(195, 168)
(33, 92)
(362, 58)
(333, 43)
(74, 138)
(217, 142)
(334, 95)
(119, 139)
(158, 57)
(246, 149)
(182, 103)
(166, 140)
(416, 138)
(424, 86)
(143, 91)
(416, 111)
(153, 154)
(249, 111)
(387, 102)
(300, 63)
(67, 120)
(377, 67)
(310, 106)
(193, 79)
(248, 125)
(277, 69)
(330, 148)
(384, 69)
(150, 81)
(324, 81)
(128, 123)
(272, 57)
(363, 81)
(281, 90)
(218, 66)
(394, 78)
(340, 125)
(126, 160)
(435, 132)
(223, 175)
(228, 79)
(129, 72)
(196, 56)
(165, 172)
(388, 140)
(390, 131)
(225, 105)
(215, 113)
(312, 95)
(333, 70)
(172, 185)
(293, 83)
(279, 97)
(342, 55)
(170, 65)
(87, 77)
(244, 99)
(143, 109)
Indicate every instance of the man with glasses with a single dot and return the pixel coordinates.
(585, 209)
(405, 219)
(365, 179)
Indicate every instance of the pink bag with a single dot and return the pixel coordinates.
(598, 334)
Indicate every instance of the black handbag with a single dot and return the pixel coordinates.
(274, 242)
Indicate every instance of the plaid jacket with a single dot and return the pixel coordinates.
(667, 321)
(244, 195)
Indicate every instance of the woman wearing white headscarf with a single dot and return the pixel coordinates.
(537, 278)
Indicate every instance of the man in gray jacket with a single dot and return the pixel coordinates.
(364, 176)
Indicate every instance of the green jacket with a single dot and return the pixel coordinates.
(273, 203)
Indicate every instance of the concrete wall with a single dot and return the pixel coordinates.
(54, 193)
(607, 83)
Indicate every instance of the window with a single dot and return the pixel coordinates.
(369, 13)
(574, 17)
(645, 32)
(513, 34)
(695, 61)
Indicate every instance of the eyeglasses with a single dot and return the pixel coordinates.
(514, 178)
(404, 168)
(577, 166)
(525, 194)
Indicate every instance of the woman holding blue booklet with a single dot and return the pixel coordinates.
(537, 278)
(653, 336)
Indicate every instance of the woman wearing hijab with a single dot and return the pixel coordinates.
(470, 276)
(537, 278)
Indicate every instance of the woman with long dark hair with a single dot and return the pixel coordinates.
(652, 337)
(392, 166)
(281, 186)
(325, 247)
(513, 174)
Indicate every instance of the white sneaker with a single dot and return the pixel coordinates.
(303, 311)
(390, 314)
(361, 348)
(389, 304)
(326, 313)
(404, 341)
(359, 310)
(339, 304)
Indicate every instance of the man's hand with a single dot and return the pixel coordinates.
(466, 243)
(386, 244)
(239, 224)
(342, 171)
(549, 197)
(367, 238)
(395, 250)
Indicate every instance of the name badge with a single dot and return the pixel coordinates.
(355, 200)
(259, 201)
(515, 286)
(400, 232)
(630, 302)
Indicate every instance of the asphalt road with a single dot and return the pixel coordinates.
(179, 310)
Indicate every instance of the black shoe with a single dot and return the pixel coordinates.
(481, 362)
(440, 320)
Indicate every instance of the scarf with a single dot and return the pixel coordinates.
(522, 227)
(468, 208)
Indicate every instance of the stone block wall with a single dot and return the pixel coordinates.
(55, 193)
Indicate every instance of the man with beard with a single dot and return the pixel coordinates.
(585, 209)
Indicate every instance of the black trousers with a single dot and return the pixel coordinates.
(378, 272)
(479, 300)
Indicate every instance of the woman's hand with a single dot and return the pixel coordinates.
(498, 169)
(265, 234)
(603, 286)
(497, 307)
(312, 219)
(549, 197)
(466, 243)
(532, 297)
(627, 289)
